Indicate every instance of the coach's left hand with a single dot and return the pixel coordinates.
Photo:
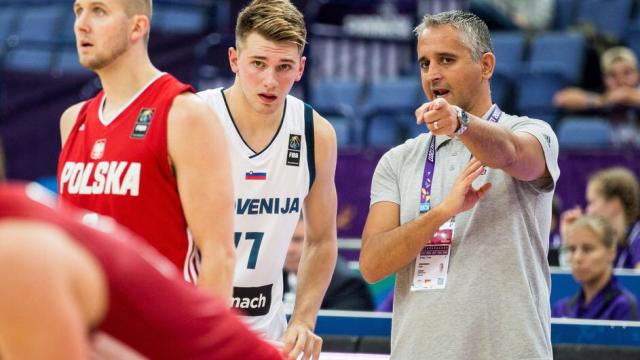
(300, 339)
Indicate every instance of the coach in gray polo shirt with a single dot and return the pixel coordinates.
(462, 214)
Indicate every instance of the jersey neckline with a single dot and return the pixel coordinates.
(134, 98)
(273, 139)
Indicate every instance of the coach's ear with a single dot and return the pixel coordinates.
(488, 64)
(233, 59)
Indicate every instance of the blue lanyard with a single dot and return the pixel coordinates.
(430, 165)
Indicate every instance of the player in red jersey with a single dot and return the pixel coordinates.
(70, 289)
(145, 151)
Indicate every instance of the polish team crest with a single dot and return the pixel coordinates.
(98, 149)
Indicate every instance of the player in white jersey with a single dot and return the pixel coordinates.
(284, 156)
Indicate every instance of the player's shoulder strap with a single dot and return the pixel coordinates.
(309, 136)
(82, 114)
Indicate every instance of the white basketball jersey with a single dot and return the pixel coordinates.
(270, 187)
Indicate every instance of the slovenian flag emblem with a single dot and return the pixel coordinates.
(255, 175)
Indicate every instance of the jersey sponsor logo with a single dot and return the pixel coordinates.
(98, 149)
(142, 124)
(253, 301)
(104, 177)
(267, 206)
(293, 153)
(255, 175)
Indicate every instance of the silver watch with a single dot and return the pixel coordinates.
(463, 121)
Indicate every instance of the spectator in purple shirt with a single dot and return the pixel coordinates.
(592, 249)
(614, 194)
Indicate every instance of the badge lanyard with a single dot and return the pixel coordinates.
(433, 261)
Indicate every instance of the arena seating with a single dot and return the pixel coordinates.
(583, 133)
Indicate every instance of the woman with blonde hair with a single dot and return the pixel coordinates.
(591, 246)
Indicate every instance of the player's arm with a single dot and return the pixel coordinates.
(52, 293)
(198, 152)
(320, 245)
(67, 120)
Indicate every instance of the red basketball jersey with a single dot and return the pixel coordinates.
(121, 169)
(152, 312)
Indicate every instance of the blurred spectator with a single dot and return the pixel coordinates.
(514, 14)
(555, 241)
(615, 195)
(591, 244)
(619, 102)
(347, 290)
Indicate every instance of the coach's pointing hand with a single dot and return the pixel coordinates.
(439, 116)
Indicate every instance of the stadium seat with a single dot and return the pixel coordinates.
(383, 131)
(67, 62)
(503, 91)
(344, 129)
(178, 19)
(336, 97)
(34, 59)
(397, 95)
(535, 95)
(41, 24)
(210, 69)
(584, 133)
(632, 38)
(556, 61)
(564, 14)
(386, 103)
(609, 17)
(7, 18)
(508, 46)
(559, 53)
(66, 29)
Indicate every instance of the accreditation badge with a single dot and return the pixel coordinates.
(432, 264)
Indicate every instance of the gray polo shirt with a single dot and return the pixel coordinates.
(496, 301)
